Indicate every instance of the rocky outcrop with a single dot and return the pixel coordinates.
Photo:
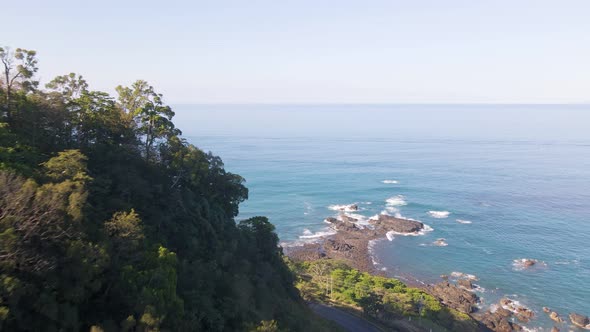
(343, 225)
(554, 329)
(335, 245)
(580, 321)
(385, 223)
(529, 262)
(499, 321)
(346, 218)
(555, 317)
(523, 314)
(440, 242)
(455, 297)
(465, 283)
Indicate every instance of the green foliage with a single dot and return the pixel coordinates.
(385, 299)
(71, 86)
(266, 326)
(110, 221)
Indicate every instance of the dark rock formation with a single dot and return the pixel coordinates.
(335, 245)
(580, 320)
(454, 297)
(343, 225)
(529, 262)
(387, 223)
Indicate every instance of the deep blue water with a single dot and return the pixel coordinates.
(526, 197)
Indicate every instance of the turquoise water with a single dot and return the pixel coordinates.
(525, 198)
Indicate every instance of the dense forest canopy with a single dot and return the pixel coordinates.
(111, 221)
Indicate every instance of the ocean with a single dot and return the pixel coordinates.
(498, 183)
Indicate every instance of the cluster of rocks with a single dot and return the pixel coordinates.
(499, 320)
(454, 296)
(523, 314)
(553, 315)
(345, 224)
(351, 243)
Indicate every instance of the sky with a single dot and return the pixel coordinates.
(250, 51)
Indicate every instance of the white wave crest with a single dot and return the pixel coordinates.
(390, 235)
(391, 209)
(527, 263)
(528, 329)
(423, 231)
(463, 221)
(344, 207)
(439, 214)
(307, 234)
(390, 181)
(461, 275)
(477, 288)
(514, 306)
(397, 200)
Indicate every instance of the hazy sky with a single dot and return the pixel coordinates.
(315, 51)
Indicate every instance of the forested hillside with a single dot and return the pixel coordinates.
(110, 220)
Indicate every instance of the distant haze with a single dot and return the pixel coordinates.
(538, 123)
(268, 51)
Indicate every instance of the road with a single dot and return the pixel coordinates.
(347, 321)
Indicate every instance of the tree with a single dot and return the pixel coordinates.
(19, 68)
(97, 120)
(135, 97)
(155, 122)
(152, 118)
(71, 85)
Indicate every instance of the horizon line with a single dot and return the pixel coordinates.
(585, 103)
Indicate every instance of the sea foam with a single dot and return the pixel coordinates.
(461, 275)
(390, 181)
(462, 221)
(344, 207)
(307, 234)
(397, 200)
(439, 214)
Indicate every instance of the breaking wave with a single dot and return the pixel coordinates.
(307, 234)
(390, 181)
(439, 214)
(344, 207)
(397, 200)
(461, 275)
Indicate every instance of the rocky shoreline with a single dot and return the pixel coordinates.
(351, 244)
(351, 241)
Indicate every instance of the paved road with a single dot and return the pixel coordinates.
(347, 321)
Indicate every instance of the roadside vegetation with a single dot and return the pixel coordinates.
(387, 301)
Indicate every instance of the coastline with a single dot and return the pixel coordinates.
(351, 243)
